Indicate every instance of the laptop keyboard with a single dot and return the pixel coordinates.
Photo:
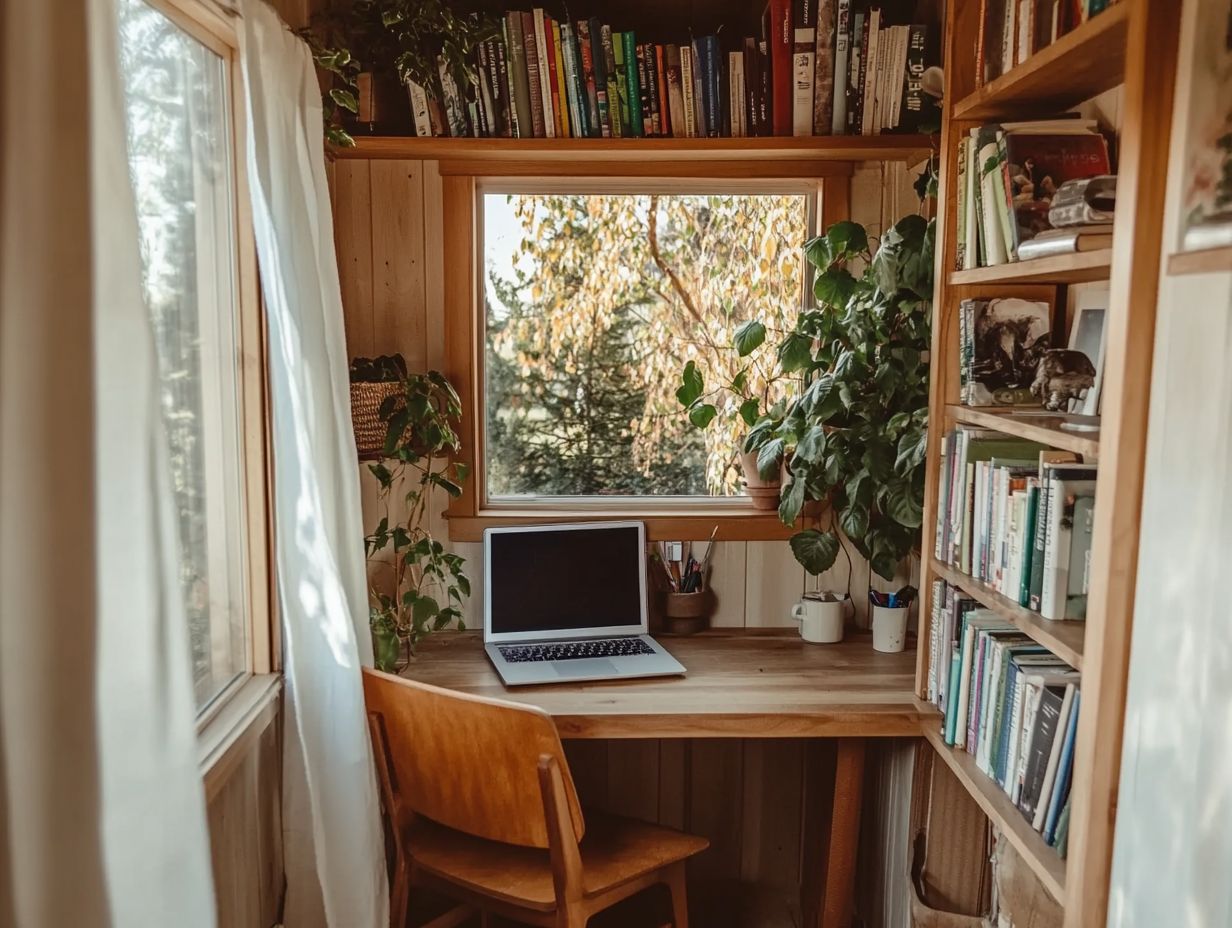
(574, 650)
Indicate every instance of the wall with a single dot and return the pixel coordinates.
(1173, 849)
(755, 800)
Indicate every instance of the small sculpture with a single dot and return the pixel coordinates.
(1062, 375)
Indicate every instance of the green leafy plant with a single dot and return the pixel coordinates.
(423, 30)
(859, 424)
(428, 584)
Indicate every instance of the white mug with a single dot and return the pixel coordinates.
(889, 628)
(821, 619)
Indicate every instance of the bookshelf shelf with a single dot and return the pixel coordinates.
(1062, 269)
(1064, 639)
(1209, 261)
(842, 148)
(1043, 428)
(1044, 861)
(1081, 64)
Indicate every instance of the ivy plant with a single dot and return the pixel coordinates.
(859, 423)
(428, 584)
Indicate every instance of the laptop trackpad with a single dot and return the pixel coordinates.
(584, 667)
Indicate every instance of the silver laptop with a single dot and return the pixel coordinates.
(564, 603)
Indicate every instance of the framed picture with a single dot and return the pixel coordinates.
(1206, 212)
(1089, 335)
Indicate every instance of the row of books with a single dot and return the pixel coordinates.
(1011, 31)
(1009, 703)
(1008, 176)
(1018, 517)
(819, 67)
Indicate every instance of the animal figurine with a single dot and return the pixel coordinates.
(1062, 375)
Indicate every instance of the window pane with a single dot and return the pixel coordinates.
(176, 96)
(595, 304)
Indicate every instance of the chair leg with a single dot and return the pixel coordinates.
(675, 880)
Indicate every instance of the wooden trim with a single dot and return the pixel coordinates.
(1061, 269)
(752, 169)
(204, 21)
(561, 152)
(1207, 261)
(224, 742)
(1078, 66)
(1044, 861)
(1045, 429)
(838, 902)
(734, 524)
(1150, 78)
(462, 364)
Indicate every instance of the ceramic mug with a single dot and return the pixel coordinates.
(889, 628)
(821, 617)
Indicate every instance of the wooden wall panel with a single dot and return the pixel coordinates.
(353, 242)
(398, 312)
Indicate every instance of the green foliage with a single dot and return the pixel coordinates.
(428, 584)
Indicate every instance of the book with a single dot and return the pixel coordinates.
(1039, 752)
(622, 83)
(699, 103)
(616, 106)
(1065, 770)
(1040, 158)
(735, 82)
(1084, 202)
(589, 87)
(913, 100)
(560, 91)
(988, 166)
(686, 90)
(780, 42)
(803, 60)
(1004, 340)
(842, 61)
(649, 123)
(485, 100)
(573, 82)
(544, 65)
(600, 79)
(868, 124)
(712, 84)
(531, 54)
(419, 108)
(825, 52)
(855, 77)
(451, 98)
(660, 60)
(584, 129)
(1063, 242)
(1063, 494)
(1054, 759)
(1079, 579)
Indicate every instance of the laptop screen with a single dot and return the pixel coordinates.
(567, 581)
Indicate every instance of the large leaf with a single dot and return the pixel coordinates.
(911, 449)
(812, 443)
(854, 520)
(834, 287)
(691, 385)
(748, 411)
(795, 353)
(792, 501)
(702, 414)
(749, 337)
(815, 550)
(424, 609)
(903, 504)
(847, 238)
(770, 458)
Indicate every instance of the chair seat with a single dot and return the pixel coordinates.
(614, 851)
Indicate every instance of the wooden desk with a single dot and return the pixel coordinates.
(739, 685)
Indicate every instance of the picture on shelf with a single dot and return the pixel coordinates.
(1004, 340)
(1206, 220)
(1089, 336)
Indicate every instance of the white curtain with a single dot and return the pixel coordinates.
(335, 855)
(102, 814)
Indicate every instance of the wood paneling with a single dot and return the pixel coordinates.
(399, 321)
(353, 242)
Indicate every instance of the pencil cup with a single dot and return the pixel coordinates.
(889, 628)
(687, 613)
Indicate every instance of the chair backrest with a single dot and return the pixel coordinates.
(468, 762)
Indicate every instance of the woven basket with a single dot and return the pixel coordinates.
(366, 399)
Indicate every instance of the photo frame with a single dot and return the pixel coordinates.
(1089, 334)
(1206, 199)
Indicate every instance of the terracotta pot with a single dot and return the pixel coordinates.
(764, 494)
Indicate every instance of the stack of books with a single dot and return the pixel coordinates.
(1008, 175)
(818, 67)
(1081, 217)
(1011, 31)
(1009, 703)
(1018, 517)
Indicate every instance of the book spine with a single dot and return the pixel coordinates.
(1054, 759)
(545, 73)
(960, 238)
(842, 66)
(455, 111)
(913, 89)
(735, 92)
(419, 108)
(622, 82)
(803, 64)
(636, 125)
(859, 66)
(825, 55)
(780, 42)
(649, 124)
(868, 111)
(569, 53)
(714, 88)
(652, 89)
(612, 80)
(686, 90)
(586, 48)
(560, 90)
(665, 119)
(531, 52)
(487, 114)
(585, 128)
(897, 78)
(519, 77)
(599, 124)
(498, 85)
(675, 91)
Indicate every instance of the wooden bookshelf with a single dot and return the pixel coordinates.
(1041, 427)
(1133, 43)
(1064, 639)
(841, 148)
(1079, 268)
(1208, 261)
(1079, 65)
(1043, 860)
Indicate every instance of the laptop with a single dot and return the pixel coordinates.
(567, 602)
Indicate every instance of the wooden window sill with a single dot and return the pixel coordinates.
(227, 737)
(693, 523)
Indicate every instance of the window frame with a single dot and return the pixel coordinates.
(241, 709)
(464, 184)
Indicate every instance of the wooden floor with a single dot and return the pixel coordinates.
(738, 685)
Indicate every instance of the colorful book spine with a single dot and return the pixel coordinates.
(542, 31)
(419, 108)
(586, 50)
(855, 77)
(612, 81)
(824, 57)
(842, 64)
(622, 82)
(531, 51)
(735, 93)
(803, 65)
(675, 92)
(560, 94)
(576, 107)
(714, 86)
(649, 122)
(632, 84)
(781, 42)
(686, 90)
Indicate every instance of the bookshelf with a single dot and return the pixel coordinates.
(1132, 45)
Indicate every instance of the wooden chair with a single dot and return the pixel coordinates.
(483, 809)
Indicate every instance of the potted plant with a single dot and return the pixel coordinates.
(424, 585)
(859, 423)
(762, 476)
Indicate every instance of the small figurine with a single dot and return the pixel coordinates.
(1062, 375)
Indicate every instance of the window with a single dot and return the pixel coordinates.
(182, 162)
(594, 304)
